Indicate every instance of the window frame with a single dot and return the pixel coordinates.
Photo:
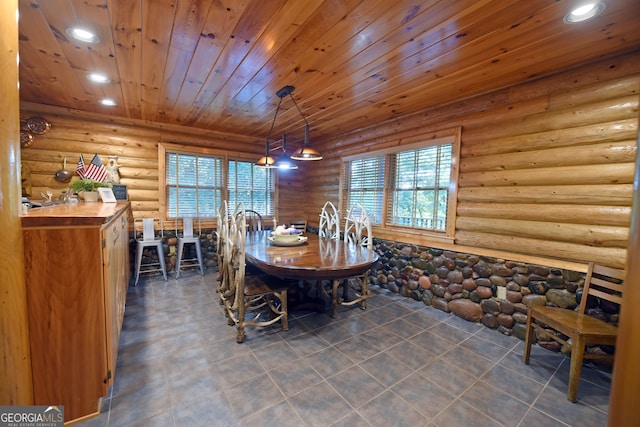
(227, 156)
(416, 141)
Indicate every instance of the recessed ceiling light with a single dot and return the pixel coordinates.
(82, 35)
(98, 78)
(584, 12)
(108, 102)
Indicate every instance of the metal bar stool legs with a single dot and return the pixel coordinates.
(188, 237)
(149, 239)
(140, 249)
(181, 243)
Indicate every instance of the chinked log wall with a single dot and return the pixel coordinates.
(546, 167)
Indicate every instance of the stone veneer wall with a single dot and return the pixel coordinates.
(467, 286)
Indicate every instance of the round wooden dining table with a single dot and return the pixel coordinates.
(316, 259)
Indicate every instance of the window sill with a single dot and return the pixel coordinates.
(419, 237)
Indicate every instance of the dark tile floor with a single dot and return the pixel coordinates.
(399, 363)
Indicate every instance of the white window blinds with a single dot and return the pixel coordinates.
(365, 181)
(420, 187)
(193, 185)
(253, 186)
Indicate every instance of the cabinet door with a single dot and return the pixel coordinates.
(66, 317)
(115, 255)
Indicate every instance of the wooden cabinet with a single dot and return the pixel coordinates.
(77, 273)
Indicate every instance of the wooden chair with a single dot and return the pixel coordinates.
(253, 220)
(299, 225)
(329, 222)
(249, 293)
(581, 330)
(357, 231)
(149, 239)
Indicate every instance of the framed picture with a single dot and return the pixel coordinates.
(107, 196)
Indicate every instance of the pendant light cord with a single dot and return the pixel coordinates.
(299, 110)
(266, 150)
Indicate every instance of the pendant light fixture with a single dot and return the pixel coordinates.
(284, 161)
(267, 161)
(303, 153)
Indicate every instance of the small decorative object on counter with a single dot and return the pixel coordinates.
(88, 187)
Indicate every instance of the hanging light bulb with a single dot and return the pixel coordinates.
(284, 161)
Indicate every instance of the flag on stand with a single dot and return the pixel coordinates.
(80, 167)
(96, 170)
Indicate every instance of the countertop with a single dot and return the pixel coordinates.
(81, 214)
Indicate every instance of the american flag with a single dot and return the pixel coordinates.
(80, 167)
(96, 170)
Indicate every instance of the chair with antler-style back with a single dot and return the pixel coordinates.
(245, 293)
(357, 231)
(329, 228)
(221, 234)
(329, 222)
(576, 328)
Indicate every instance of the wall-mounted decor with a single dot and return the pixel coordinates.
(38, 125)
(33, 126)
(26, 139)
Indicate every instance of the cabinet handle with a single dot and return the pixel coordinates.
(117, 234)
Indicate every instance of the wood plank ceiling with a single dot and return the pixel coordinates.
(217, 64)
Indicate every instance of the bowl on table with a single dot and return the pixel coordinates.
(286, 235)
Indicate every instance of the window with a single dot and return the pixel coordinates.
(251, 185)
(421, 187)
(366, 185)
(193, 185)
(407, 187)
(198, 179)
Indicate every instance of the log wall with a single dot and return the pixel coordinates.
(134, 142)
(546, 167)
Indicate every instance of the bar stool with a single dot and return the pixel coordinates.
(188, 237)
(149, 240)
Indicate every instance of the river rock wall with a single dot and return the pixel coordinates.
(493, 291)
